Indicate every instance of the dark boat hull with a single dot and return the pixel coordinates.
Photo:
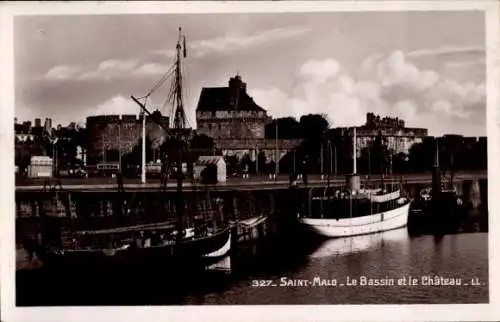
(437, 217)
(191, 254)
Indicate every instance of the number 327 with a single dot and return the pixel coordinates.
(261, 283)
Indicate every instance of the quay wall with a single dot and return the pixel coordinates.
(81, 210)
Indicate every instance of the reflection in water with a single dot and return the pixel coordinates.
(224, 265)
(349, 245)
(392, 254)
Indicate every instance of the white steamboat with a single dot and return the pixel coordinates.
(355, 211)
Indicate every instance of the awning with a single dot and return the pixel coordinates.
(252, 222)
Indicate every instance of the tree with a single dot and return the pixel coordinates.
(309, 126)
(379, 154)
(202, 142)
(313, 125)
(288, 128)
(134, 157)
(422, 155)
(245, 161)
(112, 155)
(261, 159)
(400, 163)
(232, 164)
(312, 128)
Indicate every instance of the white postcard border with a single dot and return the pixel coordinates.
(217, 313)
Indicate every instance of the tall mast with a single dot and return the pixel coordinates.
(179, 123)
(180, 117)
(436, 175)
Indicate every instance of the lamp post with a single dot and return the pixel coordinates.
(277, 153)
(335, 147)
(369, 160)
(103, 149)
(331, 156)
(143, 150)
(321, 159)
(120, 145)
(54, 158)
(329, 145)
(256, 160)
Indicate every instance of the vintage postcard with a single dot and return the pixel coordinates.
(224, 160)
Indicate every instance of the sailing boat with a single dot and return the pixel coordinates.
(167, 242)
(354, 210)
(439, 188)
(438, 209)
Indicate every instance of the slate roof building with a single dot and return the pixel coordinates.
(237, 123)
(230, 113)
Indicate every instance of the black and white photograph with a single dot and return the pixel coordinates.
(253, 155)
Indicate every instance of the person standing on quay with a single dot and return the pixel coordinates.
(304, 171)
(272, 170)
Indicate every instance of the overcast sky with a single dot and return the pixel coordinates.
(425, 67)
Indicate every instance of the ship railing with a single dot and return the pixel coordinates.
(385, 197)
(378, 198)
(155, 226)
(371, 191)
(145, 241)
(113, 250)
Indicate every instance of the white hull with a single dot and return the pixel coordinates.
(223, 251)
(369, 224)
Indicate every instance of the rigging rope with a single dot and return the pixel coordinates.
(162, 80)
(187, 92)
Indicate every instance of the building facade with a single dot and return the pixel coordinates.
(230, 113)
(398, 137)
(236, 123)
(28, 141)
(121, 133)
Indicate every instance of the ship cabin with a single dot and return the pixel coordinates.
(139, 236)
(340, 203)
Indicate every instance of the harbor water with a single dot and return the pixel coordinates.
(388, 257)
(273, 275)
(272, 265)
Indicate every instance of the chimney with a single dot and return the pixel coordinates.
(236, 86)
(370, 119)
(235, 83)
(38, 122)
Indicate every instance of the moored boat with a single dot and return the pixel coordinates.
(355, 210)
(195, 246)
(439, 209)
(141, 245)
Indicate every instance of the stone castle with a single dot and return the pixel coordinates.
(236, 123)
(398, 138)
